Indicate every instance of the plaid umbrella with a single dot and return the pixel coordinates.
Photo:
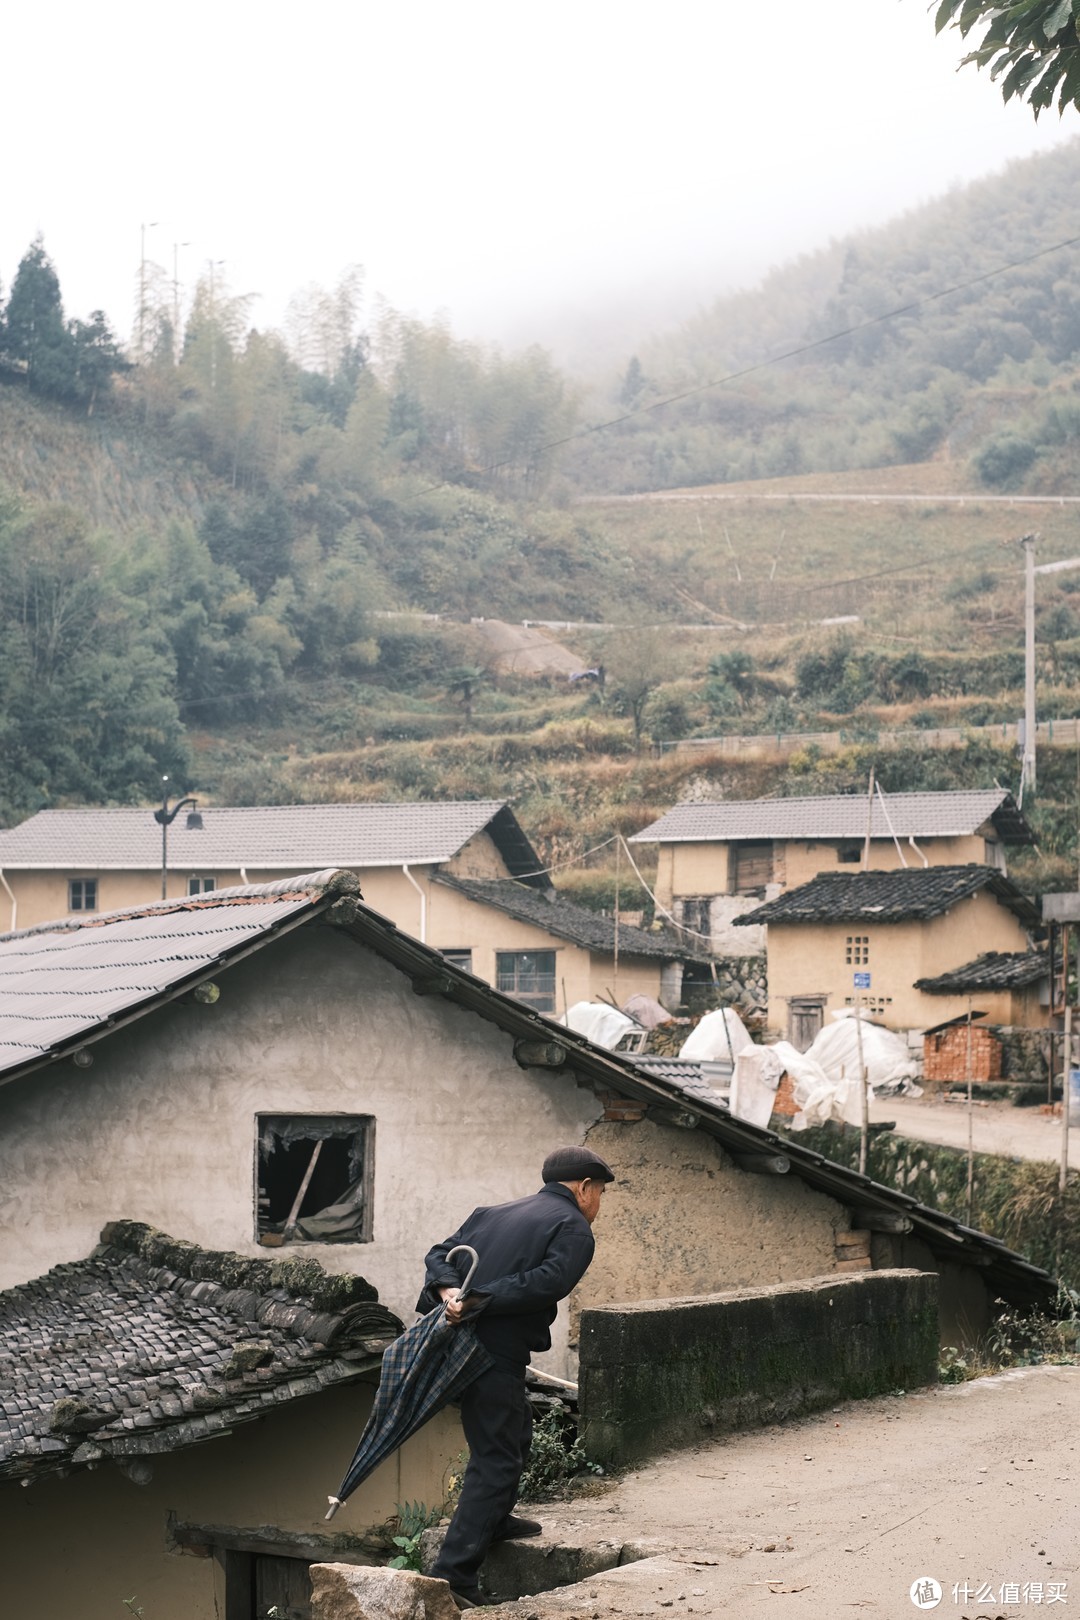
(422, 1371)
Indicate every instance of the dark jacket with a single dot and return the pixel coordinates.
(532, 1253)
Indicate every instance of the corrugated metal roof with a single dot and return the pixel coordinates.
(887, 897)
(304, 837)
(65, 979)
(842, 815)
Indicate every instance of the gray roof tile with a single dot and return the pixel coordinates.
(139, 1338)
(888, 897)
(994, 970)
(842, 815)
(566, 920)
(301, 837)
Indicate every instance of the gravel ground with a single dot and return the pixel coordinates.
(973, 1485)
(999, 1127)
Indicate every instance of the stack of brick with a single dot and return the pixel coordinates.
(945, 1054)
(785, 1105)
(852, 1250)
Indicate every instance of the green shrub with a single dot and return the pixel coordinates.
(1005, 460)
(556, 1459)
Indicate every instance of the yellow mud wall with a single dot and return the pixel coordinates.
(88, 1542)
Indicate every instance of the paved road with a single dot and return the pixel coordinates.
(1021, 1133)
(975, 1485)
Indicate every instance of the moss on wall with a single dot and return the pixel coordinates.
(1016, 1200)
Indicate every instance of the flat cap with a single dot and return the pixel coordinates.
(576, 1164)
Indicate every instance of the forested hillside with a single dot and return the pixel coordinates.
(948, 352)
(218, 543)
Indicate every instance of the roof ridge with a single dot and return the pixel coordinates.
(330, 882)
(305, 1281)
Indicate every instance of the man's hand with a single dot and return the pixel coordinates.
(457, 1309)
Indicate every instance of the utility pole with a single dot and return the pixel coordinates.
(1027, 771)
(176, 296)
(143, 228)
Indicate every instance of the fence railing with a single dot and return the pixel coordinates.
(793, 742)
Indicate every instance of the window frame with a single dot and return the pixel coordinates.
(459, 956)
(540, 1000)
(198, 884)
(85, 883)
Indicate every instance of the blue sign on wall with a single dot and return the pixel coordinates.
(862, 981)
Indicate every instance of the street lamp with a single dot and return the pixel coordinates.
(165, 818)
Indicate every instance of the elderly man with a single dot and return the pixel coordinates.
(532, 1253)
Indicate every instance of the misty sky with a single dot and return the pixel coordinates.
(534, 171)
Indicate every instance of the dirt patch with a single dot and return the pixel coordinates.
(521, 651)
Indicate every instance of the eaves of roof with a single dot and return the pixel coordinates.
(1005, 1271)
(568, 921)
(994, 970)
(336, 900)
(893, 896)
(175, 1344)
(288, 837)
(842, 816)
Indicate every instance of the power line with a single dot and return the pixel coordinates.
(787, 354)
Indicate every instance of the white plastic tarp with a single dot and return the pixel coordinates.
(647, 1012)
(885, 1054)
(721, 1034)
(753, 1084)
(603, 1025)
(818, 1097)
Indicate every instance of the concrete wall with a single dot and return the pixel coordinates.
(162, 1128)
(810, 958)
(87, 1542)
(664, 1373)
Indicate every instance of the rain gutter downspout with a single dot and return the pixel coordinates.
(11, 897)
(918, 851)
(423, 903)
(244, 876)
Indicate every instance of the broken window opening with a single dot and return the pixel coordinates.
(315, 1178)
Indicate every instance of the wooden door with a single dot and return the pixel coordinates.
(805, 1018)
(282, 1585)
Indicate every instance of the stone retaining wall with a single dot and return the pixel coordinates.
(663, 1373)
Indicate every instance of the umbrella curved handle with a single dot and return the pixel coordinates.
(463, 1248)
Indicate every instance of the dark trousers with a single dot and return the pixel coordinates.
(498, 1428)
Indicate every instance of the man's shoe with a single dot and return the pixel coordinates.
(472, 1600)
(515, 1529)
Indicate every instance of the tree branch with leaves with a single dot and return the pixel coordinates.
(1032, 46)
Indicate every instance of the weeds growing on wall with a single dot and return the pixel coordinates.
(556, 1459)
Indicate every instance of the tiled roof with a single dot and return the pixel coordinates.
(710, 1080)
(151, 1345)
(334, 898)
(302, 837)
(909, 894)
(994, 970)
(566, 920)
(842, 815)
(62, 980)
